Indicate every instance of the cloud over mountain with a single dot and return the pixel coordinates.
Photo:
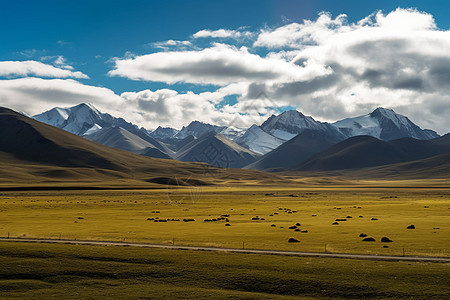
(328, 67)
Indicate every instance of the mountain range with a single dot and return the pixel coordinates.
(32, 152)
(289, 140)
(366, 151)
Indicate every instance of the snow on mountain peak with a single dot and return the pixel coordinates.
(385, 124)
(55, 117)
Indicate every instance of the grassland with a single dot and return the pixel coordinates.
(42, 271)
(121, 215)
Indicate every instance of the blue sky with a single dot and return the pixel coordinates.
(83, 30)
(88, 36)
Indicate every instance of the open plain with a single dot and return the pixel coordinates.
(236, 217)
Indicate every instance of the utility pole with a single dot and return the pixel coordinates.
(243, 245)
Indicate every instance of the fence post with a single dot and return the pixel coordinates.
(173, 241)
(325, 248)
(8, 234)
(403, 253)
(243, 244)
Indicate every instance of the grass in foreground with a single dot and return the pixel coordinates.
(42, 271)
(122, 215)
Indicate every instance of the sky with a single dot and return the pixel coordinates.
(232, 63)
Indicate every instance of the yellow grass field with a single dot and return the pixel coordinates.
(121, 215)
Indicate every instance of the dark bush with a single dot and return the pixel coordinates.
(293, 240)
(386, 240)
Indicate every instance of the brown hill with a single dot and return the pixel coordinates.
(35, 153)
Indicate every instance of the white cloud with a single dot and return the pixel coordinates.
(172, 44)
(219, 65)
(221, 33)
(298, 36)
(34, 95)
(58, 60)
(35, 68)
(328, 68)
(167, 107)
(398, 60)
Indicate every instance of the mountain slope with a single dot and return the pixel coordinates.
(428, 168)
(258, 140)
(33, 153)
(384, 124)
(30, 140)
(216, 150)
(367, 151)
(197, 129)
(296, 150)
(82, 118)
(290, 123)
(120, 138)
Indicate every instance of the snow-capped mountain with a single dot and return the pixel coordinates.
(215, 149)
(258, 140)
(296, 150)
(384, 124)
(276, 130)
(197, 129)
(82, 119)
(163, 133)
(290, 123)
(120, 138)
(85, 120)
(55, 116)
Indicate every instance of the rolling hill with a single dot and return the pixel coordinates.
(296, 150)
(366, 151)
(33, 153)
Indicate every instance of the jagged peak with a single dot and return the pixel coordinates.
(87, 106)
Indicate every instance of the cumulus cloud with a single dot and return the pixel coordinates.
(329, 68)
(221, 33)
(36, 68)
(34, 95)
(297, 35)
(167, 107)
(219, 65)
(170, 44)
(397, 60)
